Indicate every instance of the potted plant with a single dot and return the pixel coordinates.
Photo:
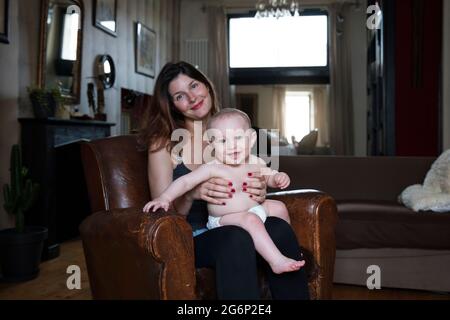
(44, 101)
(20, 247)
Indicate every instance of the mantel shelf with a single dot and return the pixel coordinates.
(56, 121)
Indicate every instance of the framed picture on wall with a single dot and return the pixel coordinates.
(145, 50)
(4, 10)
(105, 16)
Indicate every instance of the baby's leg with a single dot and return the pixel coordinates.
(275, 208)
(263, 243)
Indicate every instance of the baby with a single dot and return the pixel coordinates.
(232, 141)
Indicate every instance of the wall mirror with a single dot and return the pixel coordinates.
(61, 41)
(106, 70)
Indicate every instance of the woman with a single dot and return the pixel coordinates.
(184, 98)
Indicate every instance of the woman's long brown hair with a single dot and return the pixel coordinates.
(162, 117)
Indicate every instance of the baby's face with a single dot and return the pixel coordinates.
(233, 140)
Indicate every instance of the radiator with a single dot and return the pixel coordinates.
(195, 51)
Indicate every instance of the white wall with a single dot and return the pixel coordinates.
(446, 76)
(193, 20)
(19, 60)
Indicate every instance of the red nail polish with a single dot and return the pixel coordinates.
(251, 196)
(245, 189)
(245, 184)
(230, 195)
(230, 183)
(233, 190)
(250, 174)
(223, 203)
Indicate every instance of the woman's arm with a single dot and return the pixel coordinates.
(160, 171)
(160, 176)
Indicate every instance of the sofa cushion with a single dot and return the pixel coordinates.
(384, 224)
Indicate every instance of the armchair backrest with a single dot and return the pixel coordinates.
(115, 172)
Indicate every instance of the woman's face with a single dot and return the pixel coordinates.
(191, 97)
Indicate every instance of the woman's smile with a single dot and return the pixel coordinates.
(197, 106)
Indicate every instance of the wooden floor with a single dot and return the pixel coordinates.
(51, 283)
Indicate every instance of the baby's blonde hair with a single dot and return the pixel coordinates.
(226, 113)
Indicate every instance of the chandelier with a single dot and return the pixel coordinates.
(276, 8)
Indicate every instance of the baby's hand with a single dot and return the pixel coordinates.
(156, 204)
(282, 180)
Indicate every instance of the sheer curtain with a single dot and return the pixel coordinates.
(321, 115)
(278, 109)
(218, 53)
(341, 100)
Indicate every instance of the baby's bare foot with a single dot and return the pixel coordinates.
(286, 264)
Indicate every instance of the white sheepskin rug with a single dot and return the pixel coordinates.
(434, 194)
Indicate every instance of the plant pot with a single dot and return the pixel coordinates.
(44, 105)
(20, 253)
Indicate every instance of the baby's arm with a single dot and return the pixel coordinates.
(274, 179)
(182, 185)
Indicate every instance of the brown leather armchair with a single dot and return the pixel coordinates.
(132, 255)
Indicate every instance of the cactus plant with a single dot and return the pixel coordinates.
(21, 194)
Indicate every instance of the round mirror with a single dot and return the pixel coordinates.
(106, 71)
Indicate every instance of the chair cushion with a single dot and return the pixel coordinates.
(384, 224)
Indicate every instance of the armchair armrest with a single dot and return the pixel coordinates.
(133, 255)
(313, 217)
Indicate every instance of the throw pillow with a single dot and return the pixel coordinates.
(434, 194)
(308, 144)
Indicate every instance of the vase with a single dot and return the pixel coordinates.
(62, 112)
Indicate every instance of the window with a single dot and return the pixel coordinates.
(70, 37)
(271, 42)
(299, 115)
(285, 50)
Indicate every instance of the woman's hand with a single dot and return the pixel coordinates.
(255, 185)
(213, 191)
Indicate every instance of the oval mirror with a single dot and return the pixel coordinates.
(106, 71)
(60, 47)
